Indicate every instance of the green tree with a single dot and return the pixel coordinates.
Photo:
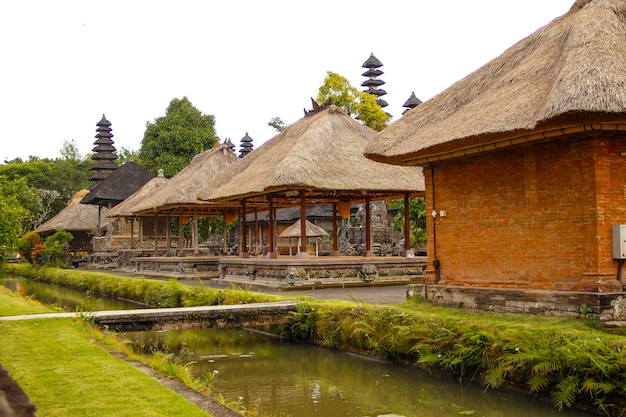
(25, 196)
(338, 90)
(56, 180)
(55, 250)
(13, 215)
(171, 142)
(278, 124)
(417, 218)
(27, 243)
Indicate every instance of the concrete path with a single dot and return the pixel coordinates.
(387, 294)
(163, 312)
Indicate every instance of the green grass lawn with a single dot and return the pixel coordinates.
(66, 373)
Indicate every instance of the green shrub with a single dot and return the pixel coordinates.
(27, 243)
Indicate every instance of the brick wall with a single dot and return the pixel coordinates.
(532, 216)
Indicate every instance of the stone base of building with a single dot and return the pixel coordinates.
(608, 307)
(318, 272)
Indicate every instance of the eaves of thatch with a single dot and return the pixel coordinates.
(180, 193)
(74, 217)
(119, 185)
(322, 155)
(129, 207)
(567, 77)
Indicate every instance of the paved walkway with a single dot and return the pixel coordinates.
(389, 294)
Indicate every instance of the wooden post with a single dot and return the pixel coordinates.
(156, 232)
(368, 230)
(303, 249)
(168, 229)
(194, 232)
(132, 232)
(225, 236)
(271, 254)
(335, 232)
(407, 227)
(243, 231)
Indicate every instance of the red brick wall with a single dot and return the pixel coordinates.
(533, 216)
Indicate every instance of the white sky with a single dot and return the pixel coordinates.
(65, 63)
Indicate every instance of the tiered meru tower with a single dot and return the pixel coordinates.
(372, 83)
(105, 153)
(245, 147)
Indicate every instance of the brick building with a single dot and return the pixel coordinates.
(525, 161)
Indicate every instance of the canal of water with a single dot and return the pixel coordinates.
(280, 377)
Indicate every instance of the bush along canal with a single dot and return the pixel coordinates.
(567, 363)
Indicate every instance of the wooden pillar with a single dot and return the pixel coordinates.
(156, 232)
(335, 232)
(141, 231)
(194, 232)
(368, 230)
(271, 254)
(132, 232)
(181, 234)
(243, 231)
(303, 251)
(407, 227)
(225, 236)
(256, 231)
(168, 229)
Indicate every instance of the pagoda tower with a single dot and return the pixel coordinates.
(245, 146)
(411, 103)
(372, 83)
(105, 153)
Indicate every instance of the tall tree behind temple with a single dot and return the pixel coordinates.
(171, 142)
(56, 180)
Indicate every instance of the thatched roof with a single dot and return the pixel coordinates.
(119, 185)
(129, 206)
(182, 189)
(74, 217)
(322, 153)
(311, 230)
(571, 72)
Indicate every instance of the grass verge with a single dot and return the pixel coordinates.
(58, 363)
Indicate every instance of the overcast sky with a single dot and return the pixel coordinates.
(65, 63)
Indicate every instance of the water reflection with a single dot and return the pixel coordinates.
(301, 380)
(66, 298)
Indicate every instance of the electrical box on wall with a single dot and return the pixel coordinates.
(619, 241)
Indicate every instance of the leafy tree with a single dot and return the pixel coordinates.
(13, 215)
(171, 142)
(25, 196)
(27, 243)
(417, 218)
(55, 250)
(338, 90)
(370, 113)
(278, 124)
(56, 180)
(125, 155)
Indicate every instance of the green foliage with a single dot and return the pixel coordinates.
(171, 142)
(27, 243)
(338, 90)
(55, 250)
(278, 124)
(586, 365)
(13, 215)
(370, 113)
(417, 217)
(53, 182)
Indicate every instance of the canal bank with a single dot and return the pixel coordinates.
(497, 350)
